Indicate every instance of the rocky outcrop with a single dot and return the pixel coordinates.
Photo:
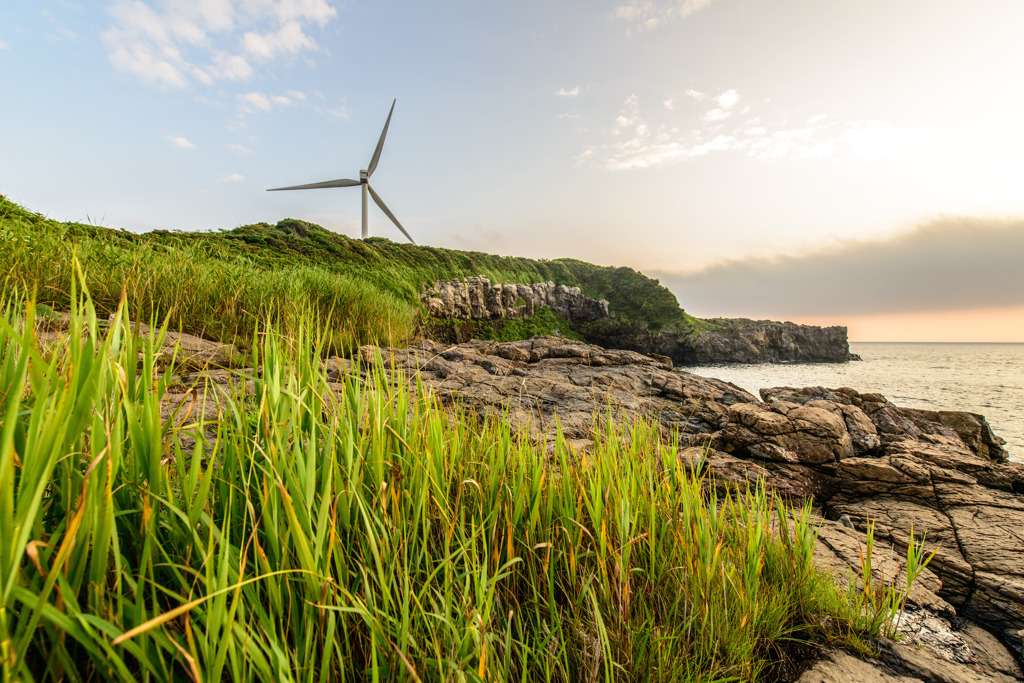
(476, 298)
(739, 340)
(722, 340)
(943, 473)
(727, 340)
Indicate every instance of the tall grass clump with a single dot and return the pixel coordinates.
(197, 291)
(356, 530)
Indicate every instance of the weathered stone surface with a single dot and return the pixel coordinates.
(476, 298)
(899, 663)
(739, 340)
(840, 667)
(991, 655)
(840, 549)
(728, 340)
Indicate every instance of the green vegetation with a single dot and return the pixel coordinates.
(544, 321)
(222, 285)
(326, 532)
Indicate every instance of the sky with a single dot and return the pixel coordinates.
(856, 162)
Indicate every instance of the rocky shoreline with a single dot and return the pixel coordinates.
(856, 457)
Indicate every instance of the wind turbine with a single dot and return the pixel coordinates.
(364, 180)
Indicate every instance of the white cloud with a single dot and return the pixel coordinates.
(339, 112)
(179, 42)
(695, 94)
(645, 15)
(232, 178)
(4, 45)
(230, 67)
(669, 104)
(179, 141)
(289, 39)
(241, 149)
(255, 101)
(562, 92)
(637, 144)
(568, 116)
(728, 99)
(252, 102)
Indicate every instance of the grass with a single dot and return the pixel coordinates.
(543, 322)
(223, 285)
(359, 531)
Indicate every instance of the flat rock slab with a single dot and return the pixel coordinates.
(897, 664)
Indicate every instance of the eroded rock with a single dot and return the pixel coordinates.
(476, 298)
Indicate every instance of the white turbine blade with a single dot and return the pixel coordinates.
(380, 143)
(342, 182)
(385, 209)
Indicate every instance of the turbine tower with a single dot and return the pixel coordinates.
(364, 180)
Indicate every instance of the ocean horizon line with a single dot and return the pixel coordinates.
(987, 343)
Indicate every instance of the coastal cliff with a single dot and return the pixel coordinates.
(727, 340)
(739, 340)
(701, 342)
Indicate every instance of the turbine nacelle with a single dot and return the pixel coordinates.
(364, 180)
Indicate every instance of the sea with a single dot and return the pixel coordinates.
(979, 378)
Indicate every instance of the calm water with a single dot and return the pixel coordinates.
(980, 378)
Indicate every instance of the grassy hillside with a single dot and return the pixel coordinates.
(223, 284)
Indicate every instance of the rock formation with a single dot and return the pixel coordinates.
(476, 298)
(738, 340)
(728, 340)
(722, 340)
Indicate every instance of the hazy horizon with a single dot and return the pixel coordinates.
(855, 164)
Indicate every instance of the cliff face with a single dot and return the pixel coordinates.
(476, 298)
(740, 340)
(736, 340)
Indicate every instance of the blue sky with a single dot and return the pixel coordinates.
(688, 138)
